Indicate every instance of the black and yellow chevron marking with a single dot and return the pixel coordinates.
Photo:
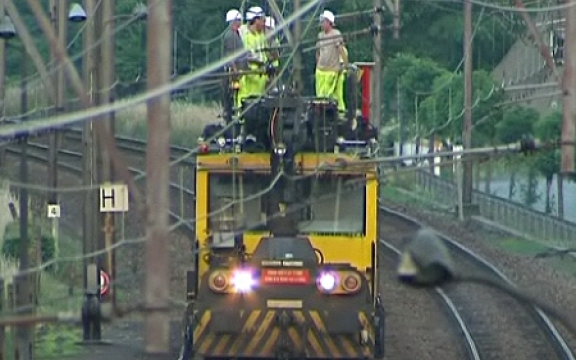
(261, 335)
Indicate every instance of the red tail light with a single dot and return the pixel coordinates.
(204, 148)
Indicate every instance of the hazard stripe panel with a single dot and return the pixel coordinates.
(262, 336)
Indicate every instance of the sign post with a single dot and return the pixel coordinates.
(104, 283)
(113, 198)
(54, 214)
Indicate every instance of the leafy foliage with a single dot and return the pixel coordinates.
(11, 245)
(549, 128)
(517, 122)
(442, 112)
(429, 30)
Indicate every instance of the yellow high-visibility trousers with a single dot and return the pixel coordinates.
(330, 84)
(251, 85)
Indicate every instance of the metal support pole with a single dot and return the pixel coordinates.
(467, 125)
(298, 54)
(107, 74)
(24, 347)
(28, 41)
(108, 141)
(58, 11)
(275, 9)
(396, 22)
(2, 85)
(400, 119)
(91, 333)
(157, 323)
(376, 98)
(569, 92)
(53, 146)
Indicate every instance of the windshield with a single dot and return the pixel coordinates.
(336, 206)
(331, 204)
(233, 201)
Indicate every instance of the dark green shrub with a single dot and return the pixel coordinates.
(11, 246)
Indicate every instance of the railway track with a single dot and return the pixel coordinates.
(70, 160)
(492, 325)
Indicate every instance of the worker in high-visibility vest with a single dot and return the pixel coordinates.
(331, 61)
(258, 58)
(254, 40)
(232, 43)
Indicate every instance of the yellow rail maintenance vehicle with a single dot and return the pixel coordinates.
(287, 236)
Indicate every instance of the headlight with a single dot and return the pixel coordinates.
(221, 141)
(218, 282)
(327, 281)
(243, 281)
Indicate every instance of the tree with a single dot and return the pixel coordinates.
(442, 112)
(435, 30)
(414, 77)
(517, 122)
(548, 162)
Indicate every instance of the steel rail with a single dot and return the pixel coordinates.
(544, 322)
(469, 342)
(184, 225)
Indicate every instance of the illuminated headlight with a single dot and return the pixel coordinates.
(280, 150)
(340, 140)
(221, 141)
(243, 281)
(327, 281)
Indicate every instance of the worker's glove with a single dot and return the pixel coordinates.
(253, 59)
(270, 69)
(352, 67)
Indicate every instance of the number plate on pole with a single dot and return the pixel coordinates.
(53, 211)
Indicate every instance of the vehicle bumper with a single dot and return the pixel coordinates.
(274, 333)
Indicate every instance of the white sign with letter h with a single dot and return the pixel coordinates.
(114, 198)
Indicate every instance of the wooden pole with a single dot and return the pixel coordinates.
(376, 98)
(107, 74)
(569, 92)
(467, 124)
(157, 324)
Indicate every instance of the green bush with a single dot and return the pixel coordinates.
(11, 245)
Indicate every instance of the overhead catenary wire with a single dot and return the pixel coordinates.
(504, 8)
(34, 79)
(10, 132)
(180, 159)
(498, 150)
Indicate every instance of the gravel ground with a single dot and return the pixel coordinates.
(414, 335)
(126, 334)
(536, 276)
(416, 325)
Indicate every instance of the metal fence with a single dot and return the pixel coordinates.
(532, 224)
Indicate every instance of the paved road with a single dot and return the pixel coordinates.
(127, 343)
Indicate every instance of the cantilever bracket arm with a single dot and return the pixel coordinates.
(31, 48)
(107, 140)
(278, 14)
(534, 33)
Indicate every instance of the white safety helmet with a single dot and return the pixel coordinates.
(233, 15)
(254, 12)
(270, 22)
(327, 15)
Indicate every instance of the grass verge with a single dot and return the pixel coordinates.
(53, 288)
(512, 245)
(187, 121)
